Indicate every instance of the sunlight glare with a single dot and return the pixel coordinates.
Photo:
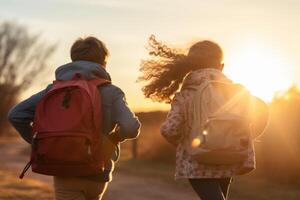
(260, 69)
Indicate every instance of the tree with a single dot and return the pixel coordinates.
(279, 149)
(23, 58)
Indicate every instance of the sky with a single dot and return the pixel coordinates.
(260, 38)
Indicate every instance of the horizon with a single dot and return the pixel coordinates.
(258, 38)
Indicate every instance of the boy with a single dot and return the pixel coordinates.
(89, 58)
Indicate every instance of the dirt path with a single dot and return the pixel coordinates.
(128, 186)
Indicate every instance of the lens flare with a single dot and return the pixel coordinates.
(196, 142)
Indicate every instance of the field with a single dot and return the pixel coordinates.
(146, 178)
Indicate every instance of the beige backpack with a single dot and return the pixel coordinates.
(219, 122)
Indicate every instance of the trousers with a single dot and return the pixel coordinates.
(211, 188)
(77, 188)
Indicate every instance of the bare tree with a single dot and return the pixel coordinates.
(23, 58)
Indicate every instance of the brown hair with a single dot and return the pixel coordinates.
(89, 49)
(167, 68)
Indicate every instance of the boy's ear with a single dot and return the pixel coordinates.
(104, 64)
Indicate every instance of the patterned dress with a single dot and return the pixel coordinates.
(174, 129)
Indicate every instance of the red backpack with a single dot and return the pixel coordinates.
(67, 130)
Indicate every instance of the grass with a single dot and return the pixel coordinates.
(253, 187)
(12, 188)
(250, 187)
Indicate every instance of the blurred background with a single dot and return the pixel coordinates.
(260, 40)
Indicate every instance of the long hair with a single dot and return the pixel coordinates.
(167, 67)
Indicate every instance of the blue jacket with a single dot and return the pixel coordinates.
(114, 108)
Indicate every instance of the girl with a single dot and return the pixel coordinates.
(165, 73)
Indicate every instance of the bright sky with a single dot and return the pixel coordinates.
(260, 39)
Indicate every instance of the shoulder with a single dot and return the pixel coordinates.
(112, 91)
(178, 101)
(259, 105)
(183, 96)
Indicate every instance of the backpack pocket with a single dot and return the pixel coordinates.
(62, 148)
(223, 141)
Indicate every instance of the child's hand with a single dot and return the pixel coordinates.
(114, 136)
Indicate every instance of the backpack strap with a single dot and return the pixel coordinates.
(231, 102)
(96, 83)
(25, 169)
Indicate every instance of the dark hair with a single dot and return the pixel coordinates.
(89, 49)
(167, 68)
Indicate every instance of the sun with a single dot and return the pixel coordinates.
(261, 70)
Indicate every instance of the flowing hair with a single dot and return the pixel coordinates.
(166, 69)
